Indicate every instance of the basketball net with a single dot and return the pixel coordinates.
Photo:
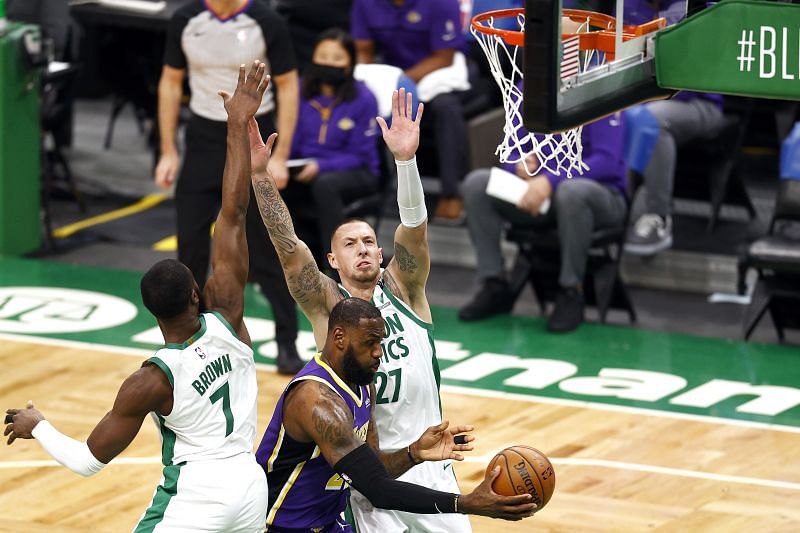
(558, 153)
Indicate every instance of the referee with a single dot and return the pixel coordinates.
(208, 40)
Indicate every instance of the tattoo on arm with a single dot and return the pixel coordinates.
(396, 463)
(327, 416)
(391, 284)
(406, 261)
(305, 286)
(311, 286)
(284, 238)
(276, 216)
(332, 293)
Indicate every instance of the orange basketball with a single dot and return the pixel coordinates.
(524, 469)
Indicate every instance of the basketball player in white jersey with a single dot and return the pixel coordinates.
(200, 388)
(407, 382)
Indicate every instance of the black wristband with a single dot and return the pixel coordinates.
(362, 469)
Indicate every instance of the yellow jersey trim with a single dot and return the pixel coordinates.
(284, 491)
(274, 454)
(338, 380)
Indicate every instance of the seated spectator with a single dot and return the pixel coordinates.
(580, 205)
(336, 129)
(685, 118)
(424, 38)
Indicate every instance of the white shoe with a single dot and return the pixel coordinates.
(650, 234)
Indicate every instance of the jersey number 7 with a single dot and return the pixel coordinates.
(224, 393)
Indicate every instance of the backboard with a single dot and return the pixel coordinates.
(557, 96)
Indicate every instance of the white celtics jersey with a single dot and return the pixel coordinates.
(407, 383)
(213, 378)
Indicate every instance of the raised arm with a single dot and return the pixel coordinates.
(224, 291)
(408, 271)
(144, 391)
(313, 412)
(315, 292)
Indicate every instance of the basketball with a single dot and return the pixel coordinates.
(524, 469)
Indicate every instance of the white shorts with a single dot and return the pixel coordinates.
(216, 495)
(433, 475)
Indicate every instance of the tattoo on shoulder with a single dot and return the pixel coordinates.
(406, 261)
(391, 284)
(331, 288)
(327, 417)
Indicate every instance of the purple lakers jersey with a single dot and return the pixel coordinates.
(304, 490)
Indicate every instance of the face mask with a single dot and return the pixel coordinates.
(326, 74)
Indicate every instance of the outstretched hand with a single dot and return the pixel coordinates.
(402, 138)
(438, 443)
(260, 152)
(20, 422)
(249, 93)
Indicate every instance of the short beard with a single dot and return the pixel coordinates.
(353, 373)
(363, 277)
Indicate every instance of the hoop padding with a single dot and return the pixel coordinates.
(558, 153)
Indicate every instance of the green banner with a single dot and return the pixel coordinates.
(20, 138)
(740, 47)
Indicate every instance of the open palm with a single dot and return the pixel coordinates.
(402, 138)
(260, 152)
(438, 443)
(249, 93)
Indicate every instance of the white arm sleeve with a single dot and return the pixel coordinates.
(69, 452)
(410, 197)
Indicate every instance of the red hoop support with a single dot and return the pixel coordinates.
(602, 37)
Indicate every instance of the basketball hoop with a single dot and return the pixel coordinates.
(591, 45)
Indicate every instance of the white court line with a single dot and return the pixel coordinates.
(455, 389)
(663, 470)
(482, 393)
(569, 461)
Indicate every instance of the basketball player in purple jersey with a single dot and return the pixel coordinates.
(321, 439)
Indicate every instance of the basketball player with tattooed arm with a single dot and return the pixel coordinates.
(200, 388)
(407, 382)
(322, 438)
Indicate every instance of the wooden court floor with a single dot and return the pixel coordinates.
(616, 470)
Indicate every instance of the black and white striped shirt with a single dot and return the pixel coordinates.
(212, 48)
